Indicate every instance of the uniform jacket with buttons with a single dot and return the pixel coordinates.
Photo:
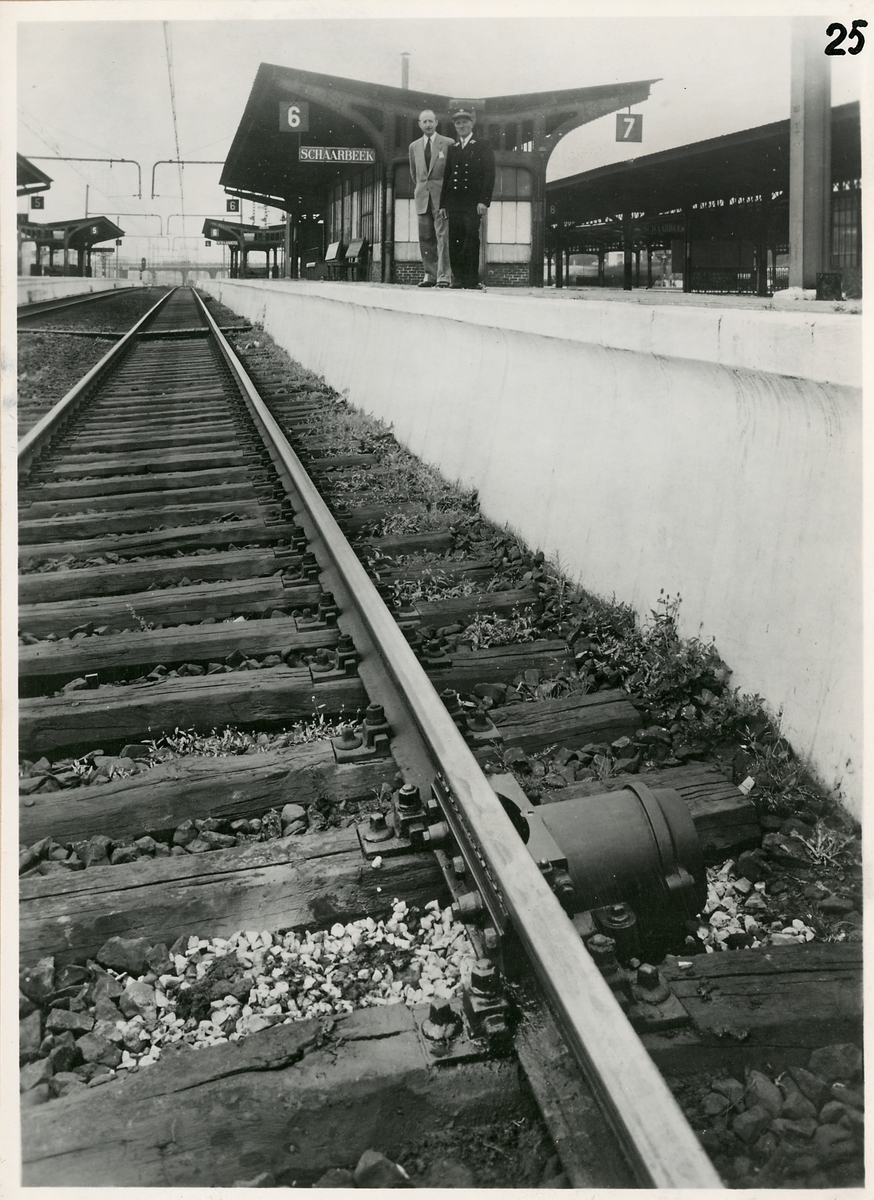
(469, 178)
(428, 181)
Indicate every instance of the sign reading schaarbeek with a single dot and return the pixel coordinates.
(337, 154)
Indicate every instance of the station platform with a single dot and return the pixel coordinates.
(657, 442)
(37, 288)
(782, 301)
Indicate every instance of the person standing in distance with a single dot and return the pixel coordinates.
(427, 163)
(467, 193)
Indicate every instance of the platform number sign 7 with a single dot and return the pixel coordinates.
(629, 127)
(294, 116)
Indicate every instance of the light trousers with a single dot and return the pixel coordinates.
(434, 244)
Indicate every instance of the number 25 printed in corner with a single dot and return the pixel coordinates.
(838, 34)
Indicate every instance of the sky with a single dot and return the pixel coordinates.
(94, 80)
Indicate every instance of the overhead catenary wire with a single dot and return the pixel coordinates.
(169, 51)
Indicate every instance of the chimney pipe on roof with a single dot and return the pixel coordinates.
(405, 69)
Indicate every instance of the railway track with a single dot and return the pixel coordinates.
(182, 570)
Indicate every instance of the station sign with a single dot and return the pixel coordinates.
(337, 154)
(629, 127)
(294, 116)
(37, 202)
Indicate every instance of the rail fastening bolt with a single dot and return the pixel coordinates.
(378, 829)
(408, 797)
(648, 977)
(467, 905)
(484, 977)
(601, 948)
(442, 1022)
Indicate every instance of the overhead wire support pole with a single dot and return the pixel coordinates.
(186, 162)
(72, 158)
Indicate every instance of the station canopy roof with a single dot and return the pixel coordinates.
(78, 234)
(753, 162)
(30, 177)
(263, 164)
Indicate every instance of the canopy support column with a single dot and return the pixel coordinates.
(809, 155)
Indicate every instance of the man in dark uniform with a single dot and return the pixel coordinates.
(468, 183)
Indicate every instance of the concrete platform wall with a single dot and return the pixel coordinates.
(41, 287)
(711, 452)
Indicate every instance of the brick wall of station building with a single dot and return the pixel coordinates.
(507, 275)
(406, 272)
(498, 274)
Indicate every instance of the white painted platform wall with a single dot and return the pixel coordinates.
(713, 452)
(52, 287)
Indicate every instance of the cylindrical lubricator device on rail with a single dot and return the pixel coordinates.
(634, 849)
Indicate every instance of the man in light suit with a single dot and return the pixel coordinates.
(427, 163)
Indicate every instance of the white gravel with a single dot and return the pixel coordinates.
(296, 977)
(734, 905)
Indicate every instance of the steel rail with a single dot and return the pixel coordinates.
(661, 1147)
(35, 437)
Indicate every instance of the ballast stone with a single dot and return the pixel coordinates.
(843, 1061)
(750, 1125)
(765, 1093)
(61, 1019)
(38, 983)
(125, 954)
(374, 1170)
(29, 1037)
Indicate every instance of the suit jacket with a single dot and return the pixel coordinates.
(428, 182)
(469, 179)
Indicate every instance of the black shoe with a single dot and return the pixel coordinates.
(427, 283)
(458, 287)
(443, 284)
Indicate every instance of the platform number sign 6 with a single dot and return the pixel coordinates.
(294, 116)
(629, 127)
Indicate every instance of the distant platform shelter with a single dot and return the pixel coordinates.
(333, 154)
(712, 216)
(72, 240)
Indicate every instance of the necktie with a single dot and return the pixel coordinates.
(427, 153)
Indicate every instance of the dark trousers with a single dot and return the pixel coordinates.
(464, 226)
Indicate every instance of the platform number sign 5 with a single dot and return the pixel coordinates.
(294, 116)
(629, 127)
